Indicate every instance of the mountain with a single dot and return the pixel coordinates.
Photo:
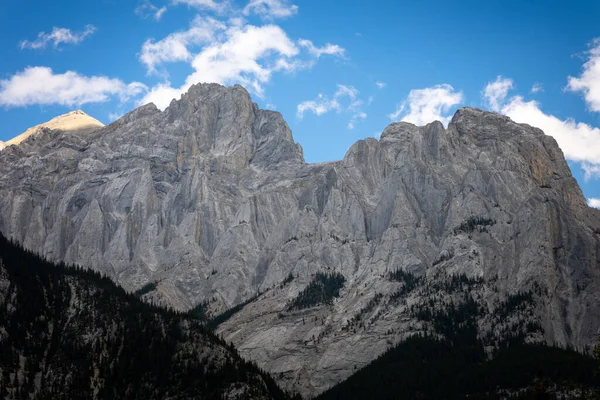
(74, 121)
(322, 267)
(68, 333)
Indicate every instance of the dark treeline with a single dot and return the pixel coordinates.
(68, 333)
(474, 223)
(323, 288)
(452, 362)
(427, 368)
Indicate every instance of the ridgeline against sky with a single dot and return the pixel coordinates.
(337, 72)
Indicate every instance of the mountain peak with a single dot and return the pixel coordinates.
(73, 121)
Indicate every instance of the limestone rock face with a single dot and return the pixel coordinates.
(211, 199)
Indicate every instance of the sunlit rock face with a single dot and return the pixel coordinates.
(212, 200)
(74, 121)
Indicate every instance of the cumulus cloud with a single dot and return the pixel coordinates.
(40, 85)
(176, 46)
(247, 55)
(228, 53)
(270, 9)
(57, 37)
(423, 106)
(344, 99)
(588, 83)
(495, 92)
(380, 84)
(592, 202)
(579, 142)
(146, 10)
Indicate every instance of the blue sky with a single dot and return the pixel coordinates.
(338, 71)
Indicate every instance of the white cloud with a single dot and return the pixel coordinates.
(380, 84)
(228, 53)
(146, 10)
(355, 118)
(592, 171)
(495, 92)
(270, 106)
(423, 106)
(247, 55)
(319, 106)
(589, 81)
(176, 46)
(217, 6)
(536, 88)
(56, 37)
(592, 202)
(40, 85)
(344, 99)
(270, 9)
(330, 49)
(579, 142)
(162, 95)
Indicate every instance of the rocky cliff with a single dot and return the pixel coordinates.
(211, 202)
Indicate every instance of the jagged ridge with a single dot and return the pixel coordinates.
(211, 199)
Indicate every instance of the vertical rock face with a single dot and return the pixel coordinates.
(211, 199)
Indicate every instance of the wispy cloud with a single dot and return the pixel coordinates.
(355, 118)
(592, 171)
(57, 37)
(270, 9)
(328, 48)
(536, 88)
(380, 84)
(146, 10)
(345, 99)
(423, 106)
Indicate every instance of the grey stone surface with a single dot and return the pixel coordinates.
(212, 199)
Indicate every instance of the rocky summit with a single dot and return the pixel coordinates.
(210, 202)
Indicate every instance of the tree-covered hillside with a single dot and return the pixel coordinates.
(68, 333)
(452, 364)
